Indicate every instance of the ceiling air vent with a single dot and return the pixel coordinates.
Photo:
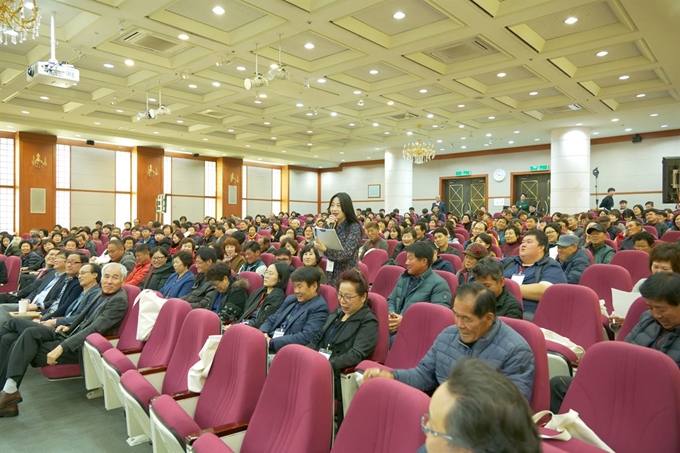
(404, 116)
(461, 51)
(149, 42)
(212, 113)
(561, 109)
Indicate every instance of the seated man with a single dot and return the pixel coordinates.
(643, 241)
(602, 253)
(229, 298)
(420, 228)
(441, 240)
(25, 290)
(84, 242)
(458, 416)
(201, 292)
(488, 272)
(374, 240)
(633, 227)
(417, 284)
(265, 245)
(477, 333)
(116, 254)
(573, 259)
(142, 265)
(438, 264)
(652, 217)
(42, 346)
(658, 328)
(534, 270)
(251, 252)
(283, 255)
(301, 316)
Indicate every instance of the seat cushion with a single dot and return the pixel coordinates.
(99, 342)
(174, 417)
(210, 443)
(140, 389)
(67, 370)
(118, 361)
(551, 346)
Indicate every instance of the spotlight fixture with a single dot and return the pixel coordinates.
(259, 80)
(361, 102)
(184, 75)
(278, 71)
(223, 61)
(305, 83)
(152, 114)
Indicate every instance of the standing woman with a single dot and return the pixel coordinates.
(344, 220)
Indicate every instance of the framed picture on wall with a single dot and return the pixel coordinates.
(374, 191)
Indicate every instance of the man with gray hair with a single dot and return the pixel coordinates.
(43, 346)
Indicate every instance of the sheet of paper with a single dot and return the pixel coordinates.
(622, 300)
(328, 237)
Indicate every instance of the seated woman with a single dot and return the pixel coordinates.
(179, 284)
(188, 245)
(311, 258)
(129, 244)
(395, 233)
(291, 244)
(277, 232)
(407, 238)
(252, 233)
(308, 233)
(232, 254)
(290, 232)
(485, 240)
(160, 271)
(552, 230)
(29, 258)
(350, 333)
(264, 302)
(175, 239)
(512, 242)
(466, 222)
(56, 238)
(229, 298)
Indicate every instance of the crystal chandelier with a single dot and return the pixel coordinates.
(419, 152)
(18, 19)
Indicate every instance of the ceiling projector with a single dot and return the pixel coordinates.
(62, 75)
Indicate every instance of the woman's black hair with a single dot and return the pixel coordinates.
(346, 206)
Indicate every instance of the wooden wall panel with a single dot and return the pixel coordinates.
(27, 145)
(226, 167)
(148, 187)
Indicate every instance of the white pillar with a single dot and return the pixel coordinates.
(398, 181)
(570, 170)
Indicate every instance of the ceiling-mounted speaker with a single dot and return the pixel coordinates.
(637, 138)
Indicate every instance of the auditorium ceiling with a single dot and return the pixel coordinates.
(365, 75)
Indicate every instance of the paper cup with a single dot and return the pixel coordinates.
(23, 305)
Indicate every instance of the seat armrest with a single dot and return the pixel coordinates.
(152, 370)
(219, 431)
(184, 395)
(112, 337)
(131, 351)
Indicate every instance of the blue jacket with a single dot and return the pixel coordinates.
(302, 327)
(575, 265)
(177, 286)
(501, 347)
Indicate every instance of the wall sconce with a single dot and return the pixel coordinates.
(38, 162)
(233, 179)
(151, 173)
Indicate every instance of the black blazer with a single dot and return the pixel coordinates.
(232, 302)
(272, 302)
(37, 283)
(53, 292)
(71, 293)
(353, 340)
(158, 278)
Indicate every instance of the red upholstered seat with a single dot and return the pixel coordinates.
(636, 262)
(255, 280)
(632, 317)
(330, 295)
(373, 262)
(13, 265)
(451, 280)
(453, 259)
(267, 258)
(386, 279)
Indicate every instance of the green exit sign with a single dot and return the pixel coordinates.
(538, 168)
(463, 173)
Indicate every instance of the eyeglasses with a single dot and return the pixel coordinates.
(424, 421)
(346, 297)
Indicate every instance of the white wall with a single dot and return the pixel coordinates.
(93, 169)
(355, 181)
(191, 207)
(88, 207)
(188, 178)
(259, 183)
(305, 208)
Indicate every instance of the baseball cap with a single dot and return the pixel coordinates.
(596, 227)
(476, 251)
(566, 240)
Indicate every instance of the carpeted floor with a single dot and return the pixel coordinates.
(56, 417)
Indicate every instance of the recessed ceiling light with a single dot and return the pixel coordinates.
(533, 93)
(351, 124)
(240, 68)
(654, 114)
(309, 114)
(216, 84)
(386, 133)
(230, 130)
(376, 124)
(257, 101)
(373, 71)
(460, 106)
(441, 149)
(152, 100)
(321, 80)
(218, 10)
(596, 133)
(511, 142)
(155, 132)
(342, 152)
(180, 122)
(501, 74)
(602, 53)
(664, 125)
(334, 113)
(461, 126)
(409, 133)
(299, 104)
(309, 144)
(614, 120)
(309, 46)
(129, 62)
(488, 135)
(310, 132)
(399, 15)
(439, 141)
(44, 98)
(119, 111)
(342, 160)
(435, 126)
(492, 117)
(183, 36)
(641, 95)
(273, 138)
(628, 129)
(571, 20)
(108, 65)
(283, 150)
(262, 96)
(463, 138)
(78, 135)
(516, 132)
(97, 123)
(247, 146)
(390, 102)
(377, 149)
(193, 85)
(579, 124)
(259, 158)
(205, 139)
(430, 115)
(624, 77)
(464, 147)
(486, 144)
(266, 123)
(423, 90)
(368, 157)
(536, 139)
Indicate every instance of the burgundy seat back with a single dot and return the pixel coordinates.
(671, 236)
(289, 288)
(391, 244)
(364, 270)
(422, 323)
(254, 279)
(572, 311)
(451, 280)
(540, 392)
(163, 338)
(267, 258)
(128, 327)
(100, 246)
(493, 233)
(514, 289)
(322, 264)
(13, 265)
(629, 395)
(652, 230)
(401, 259)
(236, 378)
(632, 317)
(295, 410)
(296, 261)
(386, 279)
(636, 262)
(383, 417)
(330, 295)
(497, 251)
(601, 278)
(265, 233)
(85, 252)
(611, 244)
(379, 309)
(463, 232)
(198, 326)
(373, 261)
(455, 261)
